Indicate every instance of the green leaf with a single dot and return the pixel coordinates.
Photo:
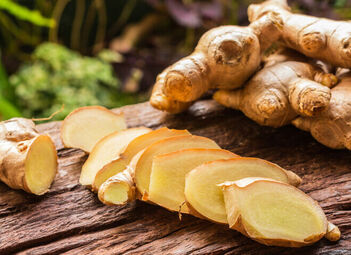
(23, 13)
(7, 110)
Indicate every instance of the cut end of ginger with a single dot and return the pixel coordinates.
(273, 213)
(144, 165)
(110, 169)
(115, 193)
(40, 165)
(168, 173)
(107, 149)
(206, 198)
(85, 126)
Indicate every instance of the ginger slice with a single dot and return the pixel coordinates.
(85, 126)
(205, 199)
(274, 213)
(144, 164)
(168, 173)
(107, 149)
(138, 144)
(28, 161)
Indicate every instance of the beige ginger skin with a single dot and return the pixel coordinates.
(332, 127)
(28, 161)
(275, 95)
(224, 58)
(318, 38)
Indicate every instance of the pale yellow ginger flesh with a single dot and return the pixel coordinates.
(274, 213)
(205, 198)
(28, 161)
(138, 144)
(110, 169)
(40, 165)
(168, 173)
(119, 189)
(107, 149)
(225, 57)
(85, 126)
(144, 165)
(117, 193)
(332, 127)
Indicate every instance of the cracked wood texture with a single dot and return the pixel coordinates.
(70, 219)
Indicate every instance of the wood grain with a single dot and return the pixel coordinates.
(70, 219)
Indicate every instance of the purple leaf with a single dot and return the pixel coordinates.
(211, 10)
(186, 15)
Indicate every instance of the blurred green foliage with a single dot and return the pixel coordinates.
(7, 109)
(58, 76)
(20, 12)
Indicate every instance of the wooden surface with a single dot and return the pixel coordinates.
(70, 219)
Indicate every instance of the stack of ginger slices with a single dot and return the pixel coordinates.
(191, 174)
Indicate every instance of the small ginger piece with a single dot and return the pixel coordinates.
(144, 165)
(332, 127)
(205, 198)
(28, 161)
(224, 58)
(318, 38)
(275, 213)
(168, 173)
(333, 232)
(85, 126)
(275, 95)
(107, 149)
(136, 145)
(120, 188)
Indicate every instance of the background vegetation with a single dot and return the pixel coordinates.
(106, 52)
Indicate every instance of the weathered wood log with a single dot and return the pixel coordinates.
(70, 219)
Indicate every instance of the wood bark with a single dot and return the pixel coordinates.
(70, 219)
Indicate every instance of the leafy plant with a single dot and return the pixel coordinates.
(58, 76)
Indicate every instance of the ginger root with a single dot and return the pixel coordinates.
(318, 38)
(332, 127)
(205, 198)
(275, 213)
(28, 161)
(85, 126)
(275, 95)
(225, 58)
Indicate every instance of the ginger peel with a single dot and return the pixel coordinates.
(225, 58)
(275, 95)
(318, 38)
(332, 127)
